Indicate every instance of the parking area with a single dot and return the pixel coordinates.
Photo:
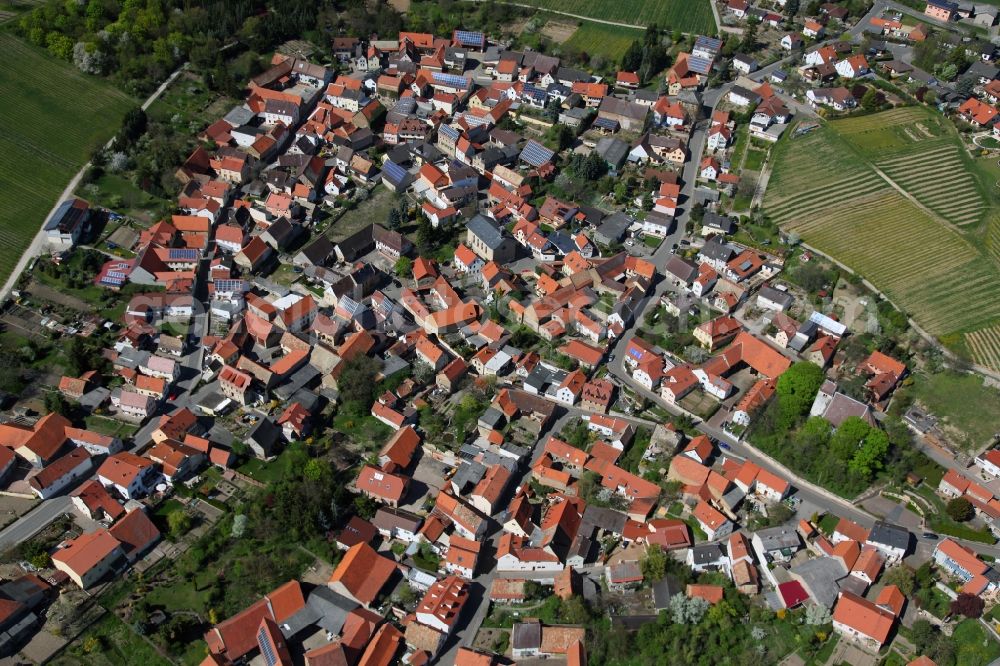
(428, 479)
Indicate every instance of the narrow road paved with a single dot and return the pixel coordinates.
(37, 246)
(34, 521)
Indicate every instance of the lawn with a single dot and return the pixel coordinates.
(837, 189)
(934, 601)
(754, 160)
(364, 430)
(610, 41)
(973, 645)
(373, 210)
(740, 145)
(691, 16)
(54, 117)
(828, 523)
(118, 193)
(969, 410)
(950, 528)
(110, 427)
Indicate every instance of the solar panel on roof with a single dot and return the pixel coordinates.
(229, 285)
(467, 37)
(265, 648)
(395, 172)
(180, 253)
(448, 131)
(536, 154)
(699, 65)
(606, 123)
(451, 80)
(475, 121)
(118, 275)
(534, 91)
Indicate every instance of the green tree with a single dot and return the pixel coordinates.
(653, 563)
(365, 506)
(869, 457)
(797, 389)
(178, 522)
(632, 58)
(592, 167)
(960, 509)
(869, 101)
(563, 136)
(749, 41)
(902, 577)
(78, 357)
(574, 611)
(55, 403)
(317, 469)
(404, 267)
(59, 45)
(356, 383)
(923, 634)
(812, 277)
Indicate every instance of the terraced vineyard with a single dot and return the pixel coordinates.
(692, 16)
(984, 344)
(936, 176)
(874, 135)
(53, 117)
(908, 216)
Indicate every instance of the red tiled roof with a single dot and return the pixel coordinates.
(363, 573)
(381, 484)
(401, 447)
(713, 594)
(136, 532)
(864, 617)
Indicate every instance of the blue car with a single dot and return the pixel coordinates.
(725, 446)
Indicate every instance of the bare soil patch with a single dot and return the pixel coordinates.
(559, 31)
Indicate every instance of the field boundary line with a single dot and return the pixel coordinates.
(579, 17)
(912, 199)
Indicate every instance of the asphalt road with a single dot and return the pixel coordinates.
(34, 521)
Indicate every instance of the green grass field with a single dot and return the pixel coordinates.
(53, 117)
(973, 644)
(692, 16)
(968, 409)
(895, 197)
(609, 41)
